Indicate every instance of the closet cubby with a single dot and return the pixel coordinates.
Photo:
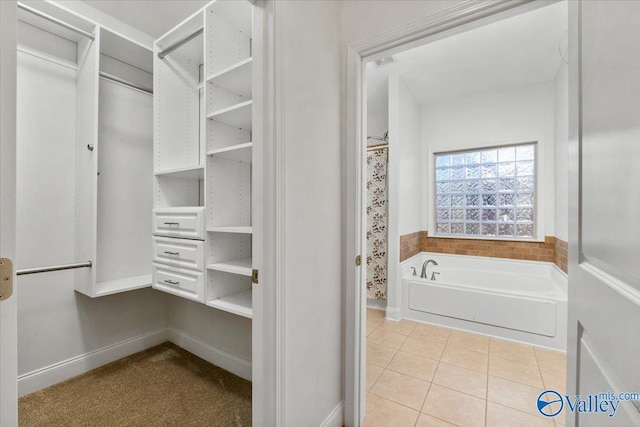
(211, 73)
(230, 252)
(221, 136)
(229, 191)
(229, 38)
(113, 164)
(230, 292)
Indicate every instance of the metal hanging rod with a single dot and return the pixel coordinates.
(56, 21)
(176, 45)
(53, 268)
(125, 82)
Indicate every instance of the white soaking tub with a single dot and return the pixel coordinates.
(518, 300)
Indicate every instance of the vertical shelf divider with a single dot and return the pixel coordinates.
(229, 87)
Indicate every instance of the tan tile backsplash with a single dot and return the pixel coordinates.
(410, 245)
(551, 250)
(562, 255)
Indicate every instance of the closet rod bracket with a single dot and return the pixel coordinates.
(90, 147)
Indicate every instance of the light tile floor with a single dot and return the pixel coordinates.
(421, 375)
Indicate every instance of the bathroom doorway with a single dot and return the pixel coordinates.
(473, 122)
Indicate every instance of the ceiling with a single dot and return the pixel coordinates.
(152, 17)
(517, 51)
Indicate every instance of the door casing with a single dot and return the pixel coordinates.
(468, 14)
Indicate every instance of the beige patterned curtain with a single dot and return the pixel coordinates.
(377, 224)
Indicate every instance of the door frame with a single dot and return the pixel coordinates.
(413, 34)
(268, 296)
(8, 307)
(268, 341)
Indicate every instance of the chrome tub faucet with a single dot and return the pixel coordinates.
(424, 268)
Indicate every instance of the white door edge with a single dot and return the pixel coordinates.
(8, 307)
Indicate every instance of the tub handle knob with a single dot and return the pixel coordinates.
(414, 271)
(433, 275)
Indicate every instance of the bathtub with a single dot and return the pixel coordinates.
(517, 300)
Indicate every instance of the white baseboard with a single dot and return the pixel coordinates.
(376, 304)
(221, 358)
(53, 374)
(392, 314)
(335, 418)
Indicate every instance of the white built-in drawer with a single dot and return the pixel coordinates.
(181, 253)
(178, 281)
(186, 223)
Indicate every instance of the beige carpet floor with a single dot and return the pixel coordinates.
(161, 386)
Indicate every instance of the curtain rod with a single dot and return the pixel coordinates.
(377, 147)
(56, 21)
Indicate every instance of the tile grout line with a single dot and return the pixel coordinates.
(544, 385)
(434, 374)
(516, 381)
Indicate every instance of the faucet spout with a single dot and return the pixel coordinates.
(423, 275)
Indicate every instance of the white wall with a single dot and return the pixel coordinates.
(377, 112)
(515, 115)
(310, 74)
(561, 83)
(410, 167)
(222, 330)
(54, 322)
(404, 182)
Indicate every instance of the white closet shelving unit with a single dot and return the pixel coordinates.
(124, 163)
(114, 147)
(203, 154)
(179, 212)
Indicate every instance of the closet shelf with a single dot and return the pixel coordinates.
(236, 78)
(235, 266)
(238, 116)
(241, 229)
(238, 152)
(238, 303)
(192, 172)
(122, 285)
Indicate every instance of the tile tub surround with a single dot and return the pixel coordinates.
(445, 377)
(411, 244)
(551, 250)
(562, 255)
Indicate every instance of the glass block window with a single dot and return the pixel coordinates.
(486, 193)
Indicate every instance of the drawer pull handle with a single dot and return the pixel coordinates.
(171, 282)
(171, 253)
(171, 223)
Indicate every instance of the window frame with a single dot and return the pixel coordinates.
(540, 186)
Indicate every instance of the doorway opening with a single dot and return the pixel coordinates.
(465, 227)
